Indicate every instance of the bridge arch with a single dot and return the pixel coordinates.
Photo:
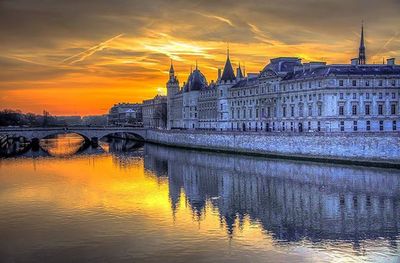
(86, 132)
(123, 135)
(67, 132)
(91, 135)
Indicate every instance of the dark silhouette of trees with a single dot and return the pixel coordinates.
(17, 118)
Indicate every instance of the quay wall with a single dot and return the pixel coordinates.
(375, 149)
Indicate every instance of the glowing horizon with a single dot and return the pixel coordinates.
(121, 53)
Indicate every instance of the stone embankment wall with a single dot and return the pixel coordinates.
(378, 149)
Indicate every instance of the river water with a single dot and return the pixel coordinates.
(124, 202)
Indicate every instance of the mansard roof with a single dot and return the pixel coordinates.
(228, 73)
(343, 70)
(247, 82)
(282, 64)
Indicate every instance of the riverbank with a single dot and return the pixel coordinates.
(367, 149)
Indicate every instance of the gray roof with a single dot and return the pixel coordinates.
(283, 64)
(196, 81)
(228, 73)
(246, 82)
(240, 74)
(344, 70)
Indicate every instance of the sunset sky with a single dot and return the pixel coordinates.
(81, 57)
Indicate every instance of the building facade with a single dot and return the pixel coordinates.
(290, 96)
(123, 114)
(155, 112)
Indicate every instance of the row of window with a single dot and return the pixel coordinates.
(367, 95)
(367, 109)
(379, 82)
(242, 113)
(290, 111)
(368, 126)
(300, 85)
(300, 127)
(246, 92)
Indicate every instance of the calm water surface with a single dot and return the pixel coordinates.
(123, 202)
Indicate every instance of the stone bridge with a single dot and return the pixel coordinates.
(89, 133)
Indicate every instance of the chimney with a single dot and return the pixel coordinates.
(391, 61)
(219, 73)
(354, 61)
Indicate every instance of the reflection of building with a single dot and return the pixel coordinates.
(125, 114)
(156, 165)
(155, 112)
(292, 200)
(291, 96)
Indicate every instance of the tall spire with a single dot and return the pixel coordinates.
(228, 73)
(361, 51)
(196, 65)
(171, 72)
(171, 69)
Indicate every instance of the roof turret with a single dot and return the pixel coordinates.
(228, 73)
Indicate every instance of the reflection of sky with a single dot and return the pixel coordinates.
(63, 144)
(116, 52)
(102, 210)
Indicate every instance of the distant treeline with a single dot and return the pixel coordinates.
(17, 118)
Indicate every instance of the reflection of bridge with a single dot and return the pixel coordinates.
(89, 133)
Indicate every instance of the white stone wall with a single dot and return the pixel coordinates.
(343, 146)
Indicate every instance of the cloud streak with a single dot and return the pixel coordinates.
(43, 49)
(90, 51)
(219, 18)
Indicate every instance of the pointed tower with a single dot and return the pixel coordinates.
(172, 90)
(239, 74)
(171, 72)
(361, 51)
(228, 73)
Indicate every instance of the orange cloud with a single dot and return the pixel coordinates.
(67, 67)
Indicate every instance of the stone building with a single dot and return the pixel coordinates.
(290, 96)
(155, 112)
(125, 114)
(199, 105)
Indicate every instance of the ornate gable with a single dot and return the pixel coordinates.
(268, 73)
